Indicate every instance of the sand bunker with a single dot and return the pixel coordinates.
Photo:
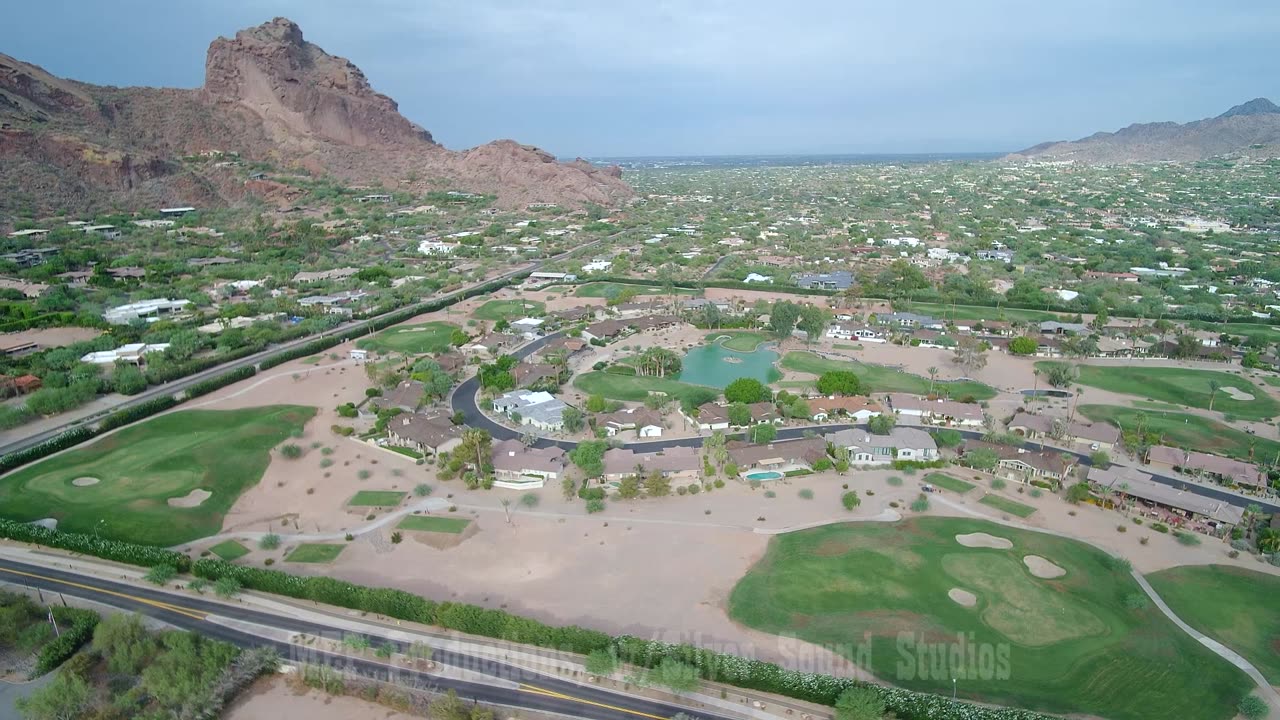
(1042, 568)
(983, 540)
(85, 481)
(962, 597)
(191, 499)
(1237, 393)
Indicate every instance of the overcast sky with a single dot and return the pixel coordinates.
(660, 77)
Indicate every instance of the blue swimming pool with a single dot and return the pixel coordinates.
(765, 475)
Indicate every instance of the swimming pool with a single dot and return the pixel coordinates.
(764, 475)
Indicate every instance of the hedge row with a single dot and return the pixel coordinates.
(473, 620)
(76, 628)
(123, 417)
(72, 437)
(204, 387)
(128, 553)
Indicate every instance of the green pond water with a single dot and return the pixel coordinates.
(717, 366)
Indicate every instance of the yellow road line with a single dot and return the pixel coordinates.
(154, 603)
(532, 689)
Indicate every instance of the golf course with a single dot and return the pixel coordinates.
(879, 379)
(165, 481)
(411, 339)
(1186, 387)
(1077, 634)
(1186, 430)
(509, 310)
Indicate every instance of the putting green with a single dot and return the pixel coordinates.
(411, 339)
(882, 595)
(143, 466)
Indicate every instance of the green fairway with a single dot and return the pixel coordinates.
(1190, 431)
(141, 467)
(1070, 644)
(636, 389)
(509, 310)
(1269, 334)
(432, 523)
(1180, 386)
(229, 550)
(947, 482)
(981, 312)
(411, 339)
(879, 379)
(1006, 505)
(315, 553)
(376, 498)
(1272, 380)
(612, 289)
(740, 340)
(1232, 605)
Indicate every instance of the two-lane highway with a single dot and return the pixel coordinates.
(513, 686)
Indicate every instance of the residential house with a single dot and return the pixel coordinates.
(857, 409)
(676, 463)
(518, 467)
(542, 410)
(902, 443)
(406, 395)
(490, 344)
(710, 417)
(132, 353)
(645, 423)
(778, 455)
(839, 280)
(1053, 327)
(146, 310)
(540, 374)
(322, 275)
(1223, 469)
(1158, 500)
(429, 435)
(1025, 465)
(907, 320)
(1033, 426)
(938, 412)
(765, 412)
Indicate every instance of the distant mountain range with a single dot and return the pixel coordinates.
(269, 96)
(1252, 128)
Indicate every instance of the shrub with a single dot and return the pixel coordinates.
(291, 451)
(422, 489)
(850, 500)
(270, 541)
(1122, 528)
(770, 494)
(1253, 707)
(895, 481)
(695, 489)
(1189, 539)
(77, 629)
(998, 484)
(805, 494)
(114, 550)
(396, 537)
(920, 504)
(595, 505)
(161, 574)
(1036, 492)
(1135, 601)
(1159, 527)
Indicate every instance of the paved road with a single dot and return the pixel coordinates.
(511, 685)
(464, 399)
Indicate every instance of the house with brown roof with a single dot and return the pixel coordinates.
(517, 467)
(765, 412)
(429, 435)
(531, 374)
(645, 423)
(1025, 465)
(938, 412)
(406, 395)
(677, 463)
(1222, 469)
(803, 453)
(1033, 426)
(858, 409)
(901, 443)
(710, 417)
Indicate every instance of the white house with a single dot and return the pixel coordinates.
(900, 444)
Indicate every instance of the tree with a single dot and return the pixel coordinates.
(181, 678)
(882, 424)
(783, 317)
(65, 698)
(1023, 345)
(813, 321)
(573, 420)
(763, 434)
(659, 362)
(602, 662)
(1253, 707)
(739, 415)
(839, 382)
(629, 487)
(1214, 387)
(1060, 375)
(476, 449)
(673, 675)
(982, 459)
(124, 642)
(161, 574)
(568, 488)
(589, 457)
(859, 703)
(127, 379)
(1100, 459)
(933, 374)
(969, 353)
(657, 485)
(596, 403)
(747, 390)
(1078, 493)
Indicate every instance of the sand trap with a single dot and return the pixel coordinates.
(85, 481)
(983, 540)
(962, 597)
(1237, 393)
(191, 499)
(1042, 568)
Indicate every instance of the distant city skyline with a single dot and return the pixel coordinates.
(664, 78)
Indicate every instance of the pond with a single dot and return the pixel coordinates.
(717, 366)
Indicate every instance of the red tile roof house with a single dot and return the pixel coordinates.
(518, 467)
(1223, 469)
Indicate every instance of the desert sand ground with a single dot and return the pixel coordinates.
(274, 697)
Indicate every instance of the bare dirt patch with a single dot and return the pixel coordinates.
(983, 540)
(85, 481)
(962, 597)
(191, 499)
(1042, 568)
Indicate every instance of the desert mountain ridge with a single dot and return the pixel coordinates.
(1251, 128)
(269, 95)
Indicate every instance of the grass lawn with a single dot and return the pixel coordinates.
(1272, 380)
(142, 466)
(407, 452)
(1008, 506)
(411, 339)
(943, 311)
(634, 388)
(432, 523)
(1232, 605)
(948, 482)
(1270, 334)
(508, 309)
(315, 553)
(1180, 386)
(376, 498)
(1071, 645)
(1192, 431)
(612, 289)
(879, 379)
(229, 550)
(740, 340)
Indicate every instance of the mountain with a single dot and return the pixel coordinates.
(269, 95)
(1252, 128)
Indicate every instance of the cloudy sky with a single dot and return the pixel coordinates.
(667, 77)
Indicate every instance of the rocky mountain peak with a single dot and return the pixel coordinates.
(1256, 106)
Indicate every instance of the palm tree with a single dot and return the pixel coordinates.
(1075, 401)
(1214, 387)
(933, 373)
